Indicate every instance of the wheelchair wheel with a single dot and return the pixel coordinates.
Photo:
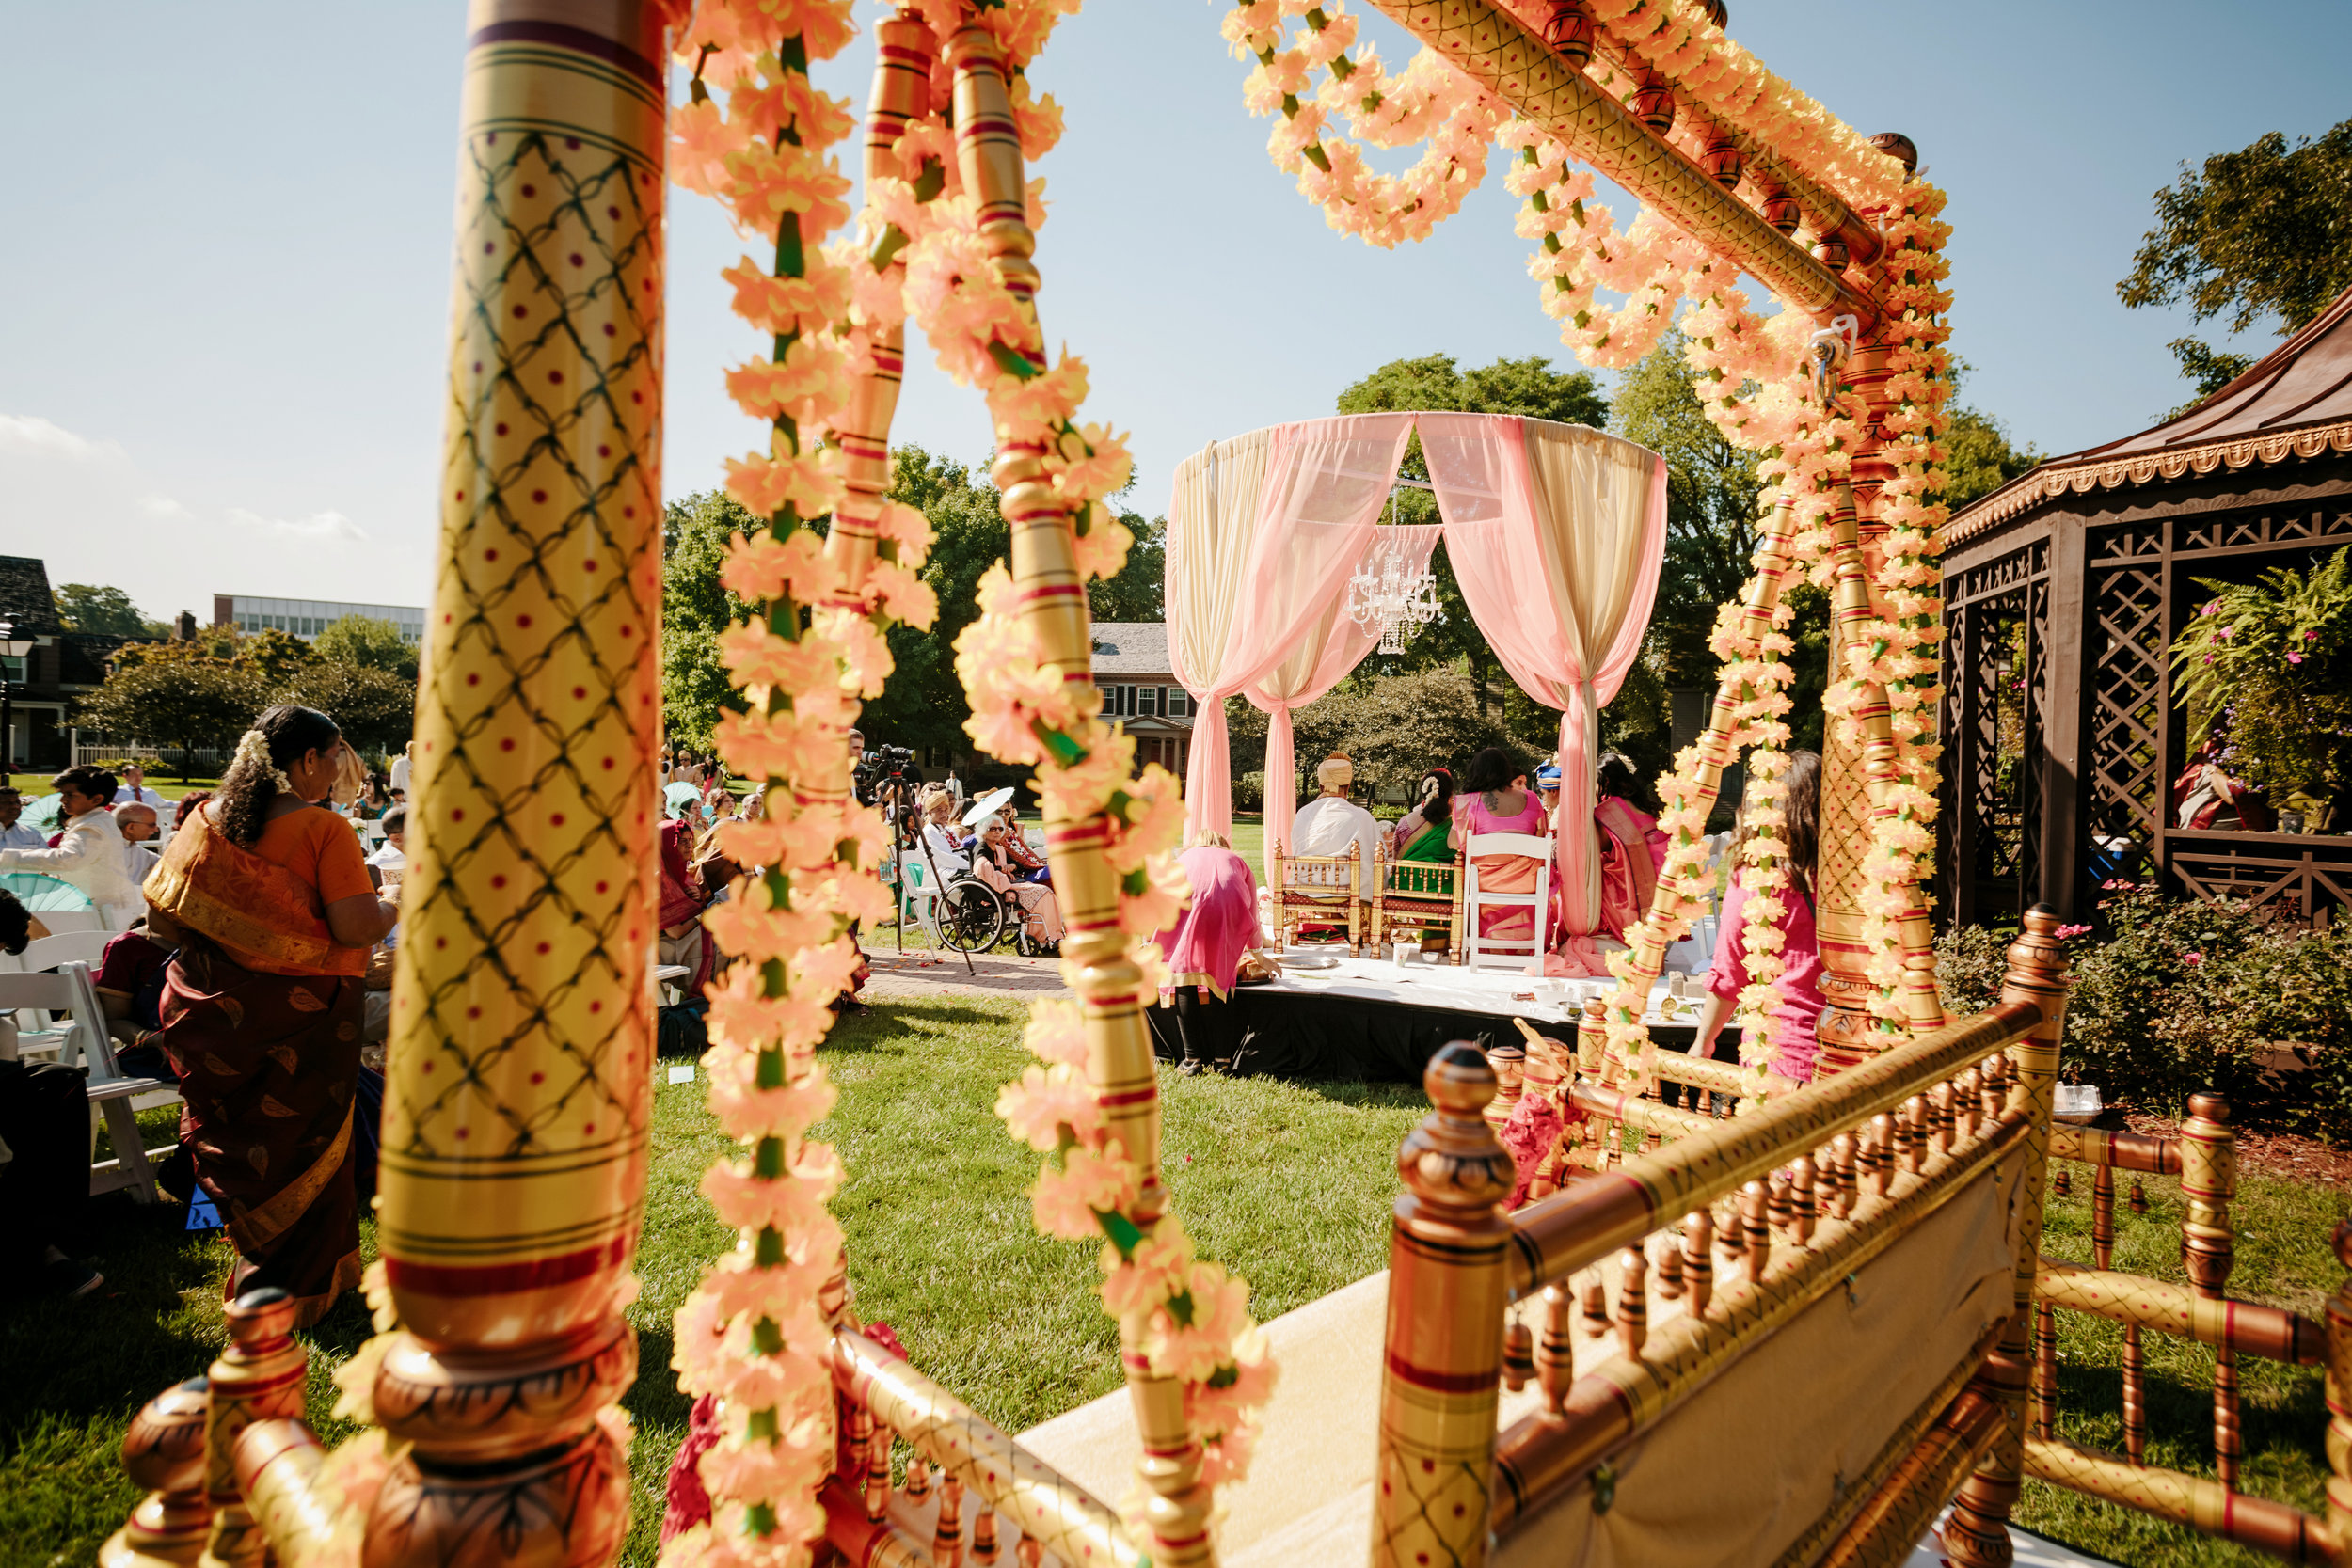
(971, 916)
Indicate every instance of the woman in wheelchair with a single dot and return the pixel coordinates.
(1039, 929)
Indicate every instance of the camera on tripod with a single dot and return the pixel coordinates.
(884, 767)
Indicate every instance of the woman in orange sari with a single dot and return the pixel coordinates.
(267, 898)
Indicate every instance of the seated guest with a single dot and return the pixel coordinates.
(44, 1188)
(189, 805)
(390, 859)
(1328, 824)
(1204, 949)
(1495, 800)
(90, 852)
(13, 833)
(1547, 791)
(137, 823)
(1421, 839)
(994, 862)
(267, 898)
(130, 986)
(682, 899)
(1031, 864)
(134, 790)
(940, 809)
(1633, 849)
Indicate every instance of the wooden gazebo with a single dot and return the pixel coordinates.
(2062, 590)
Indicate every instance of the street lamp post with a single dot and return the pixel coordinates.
(10, 647)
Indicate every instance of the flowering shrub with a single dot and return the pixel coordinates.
(2186, 994)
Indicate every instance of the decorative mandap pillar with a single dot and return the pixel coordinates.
(517, 1097)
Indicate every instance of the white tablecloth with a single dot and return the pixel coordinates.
(1495, 991)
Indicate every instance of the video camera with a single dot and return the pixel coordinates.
(880, 767)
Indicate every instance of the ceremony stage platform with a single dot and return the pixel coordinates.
(1374, 1019)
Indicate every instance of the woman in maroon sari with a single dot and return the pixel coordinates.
(267, 898)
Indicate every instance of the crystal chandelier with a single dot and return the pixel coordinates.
(1384, 592)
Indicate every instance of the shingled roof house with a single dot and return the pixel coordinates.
(1132, 670)
(60, 666)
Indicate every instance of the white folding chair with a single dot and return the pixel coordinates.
(1506, 951)
(110, 1091)
(61, 921)
(37, 1034)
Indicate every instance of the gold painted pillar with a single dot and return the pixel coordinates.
(517, 1097)
(1846, 1027)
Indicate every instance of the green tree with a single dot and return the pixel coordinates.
(2264, 230)
(1529, 387)
(368, 643)
(1138, 591)
(1980, 457)
(695, 608)
(184, 702)
(88, 607)
(376, 708)
(923, 703)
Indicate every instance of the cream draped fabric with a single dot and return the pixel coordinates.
(1212, 519)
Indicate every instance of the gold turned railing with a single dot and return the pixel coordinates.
(2204, 1156)
(1017, 1500)
(1769, 1211)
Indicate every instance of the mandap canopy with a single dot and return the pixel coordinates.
(1555, 532)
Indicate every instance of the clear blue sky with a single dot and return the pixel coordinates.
(225, 279)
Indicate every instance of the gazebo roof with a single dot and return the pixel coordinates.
(2296, 403)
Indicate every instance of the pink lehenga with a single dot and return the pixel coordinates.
(1503, 873)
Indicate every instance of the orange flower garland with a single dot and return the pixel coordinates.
(1188, 1316)
(754, 1332)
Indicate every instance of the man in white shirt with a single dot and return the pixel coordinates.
(91, 854)
(134, 790)
(400, 771)
(139, 829)
(1331, 822)
(15, 835)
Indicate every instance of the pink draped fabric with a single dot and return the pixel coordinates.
(1324, 483)
(1325, 654)
(1515, 564)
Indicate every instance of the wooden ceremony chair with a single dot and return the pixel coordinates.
(1410, 899)
(1320, 888)
(1507, 952)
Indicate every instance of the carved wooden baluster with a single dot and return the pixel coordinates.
(947, 1531)
(2208, 1183)
(258, 1378)
(2044, 1368)
(1941, 1119)
(2061, 1178)
(1698, 1259)
(1804, 1211)
(1758, 1224)
(1028, 1553)
(984, 1537)
(2140, 1197)
(918, 1484)
(1992, 1091)
(1518, 1354)
(878, 1473)
(2135, 1368)
(1968, 1089)
(1882, 1153)
(163, 1453)
(1668, 1269)
(1595, 1310)
(1632, 1302)
(1844, 1150)
(860, 1439)
(1731, 1231)
(1556, 1347)
(1778, 1208)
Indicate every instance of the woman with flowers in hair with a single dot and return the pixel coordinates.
(1797, 1001)
(267, 898)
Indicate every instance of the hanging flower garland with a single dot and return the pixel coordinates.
(1185, 1316)
(753, 1332)
(1430, 102)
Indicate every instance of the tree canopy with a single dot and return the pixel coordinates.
(88, 607)
(2264, 230)
(369, 643)
(205, 692)
(1529, 387)
(183, 703)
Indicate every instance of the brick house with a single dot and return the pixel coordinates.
(60, 666)
(1132, 670)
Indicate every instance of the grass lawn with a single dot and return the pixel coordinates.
(1288, 1183)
